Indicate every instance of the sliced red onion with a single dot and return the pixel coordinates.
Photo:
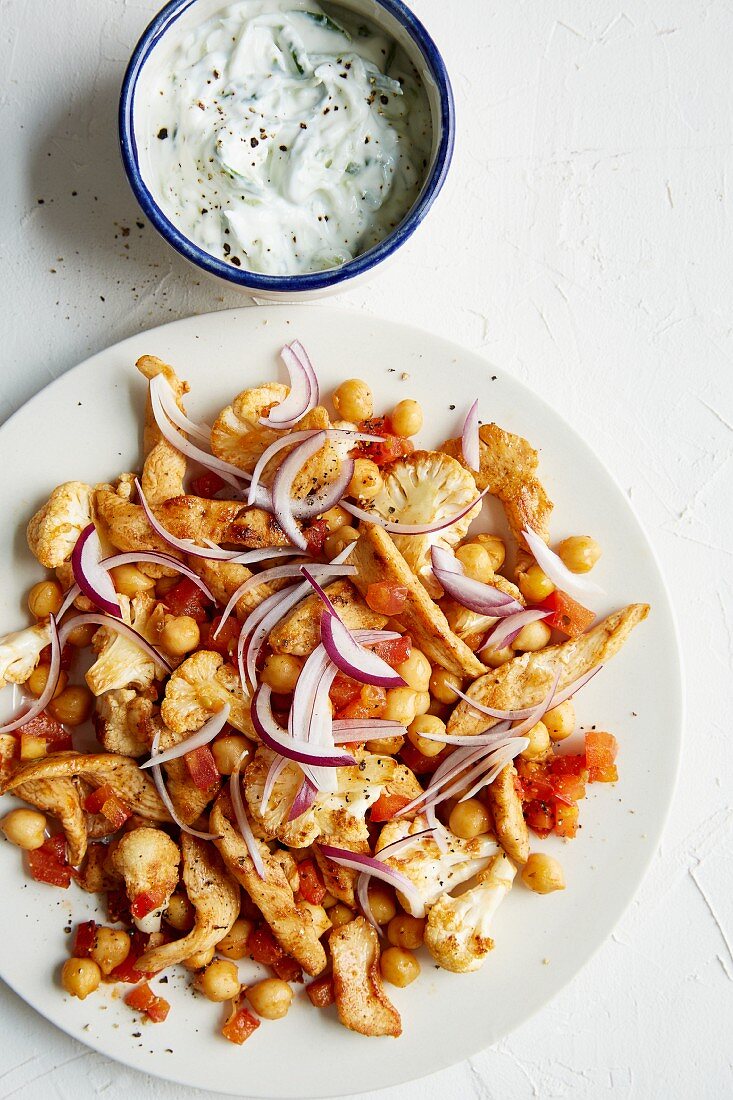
(362, 885)
(155, 558)
(92, 577)
(201, 431)
(52, 680)
(475, 595)
(250, 557)
(555, 568)
(283, 484)
(411, 528)
(525, 712)
(301, 354)
(346, 730)
(303, 436)
(499, 760)
(455, 763)
(320, 729)
(69, 596)
(278, 572)
(302, 398)
(470, 444)
(328, 496)
(276, 738)
(276, 768)
(157, 774)
(119, 627)
(355, 861)
(235, 791)
(269, 453)
(508, 629)
(197, 740)
(304, 799)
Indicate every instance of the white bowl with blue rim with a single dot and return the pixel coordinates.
(170, 27)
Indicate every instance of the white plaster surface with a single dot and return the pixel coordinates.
(583, 243)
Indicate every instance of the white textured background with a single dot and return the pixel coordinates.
(583, 243)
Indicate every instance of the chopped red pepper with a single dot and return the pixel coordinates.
(240, 1025)
(86, 934)
(146, 902)
(321, 992)
(344, 690)
(572, 764)
(311, 883)
(207, 485)
(186, 598)
(370, 704)
(394, 652)
(126, 971)
(142, 999)
(49, 864)
(386, 598)
(608, 774)
(118, 907)
(226, 640)
(387, 805)
(202, 767)
(316, 534)
(263, 947)
(105, 801)
(568, 616)
(45, 727)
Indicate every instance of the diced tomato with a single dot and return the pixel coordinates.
(419, 764)
(540, 816)
(601, 749)
(386, 598)
(43, 729)
(608, 774)
(316, 534)
(392, 446)
(118, 907)
(572, 764)
(86, 933)
(142, 999)
(344, 690)
(311, 883)
(370, 703)
(566, 820)
(568, 616)
(45, 726)
(105, 801)
(263, 947)
(288, 970)
(226, 640)
(240, 1025)
(207, 484)
(395, 652)
(202, 768)
(186, 598)
(387, 805)
(49, 864)
(321, 992)
(126, 971)
(571, 787)
(146, 902)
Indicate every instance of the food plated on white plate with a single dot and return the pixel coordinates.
(331, 708)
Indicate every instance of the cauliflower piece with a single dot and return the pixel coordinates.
(21, 651)
(54, 529)
(341, 816)
(215, 897)
(361, 1002)
(117, 721)
(198, 689)
(457, 929)
(508, 814)
(434, 872)
(300, 632)
(165, 467)
(120, 662)
(147, 859)
(423, 487)
(189, 800)
(293, 926)
(377, 559)
(59, 797)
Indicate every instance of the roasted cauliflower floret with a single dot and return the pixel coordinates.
(361, 1002)
(20, 652)
(198, 689)
(53, 531)
(432, 871)
(422, 488)
(457, 929)
(120, 662)
(118, 719)
(148, 861)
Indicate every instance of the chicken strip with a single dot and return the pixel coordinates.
(60, 798)
(361, 1002)
(508, 814)
(165, 467)
(300, 632)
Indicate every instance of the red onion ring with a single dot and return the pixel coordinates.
(508, 629)
(119, 627)
(470, 444)
(201, 431)
(355, 861)
(165, 798)
(411, 528)
(556, 569)
(269, 453)
(277, 766)
(276, 738)
(362, 886)
(197, 740)
(301, 399)
(304, 799)
(283, 484)
(328, 496)
(475, 595)
(346, 730)
(301, 437)
(235, 791)
(70, 595)
(301, 354)
(92, 577)
(52, 680)
(155, 558)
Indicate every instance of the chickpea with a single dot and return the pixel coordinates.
(353, 400)
(399, 967)
(36, 682)
(532, 637)
(367, 480)
(336, 517)
(45, 598)
(382, 902)
(329, 901)
(580, 553)
(543, 874)
(281, 672)
(539, 742)
(337, 542)
(439, 710)
(415, 671)
(180, 635)
(270, 998)
(476, 561)
(406, 418)
(24, 828)
(443, 685)
(422, 724)
(199, 960)
(129, 581)
(406, 931)
(227, 751)
(560, 721)
(386, 746)
(234, 944)
(494, 547)
(219, 981)
(81, 636)
(401, 704)
(469, 819)
(180, 914)
(422, 703)
(80, 977)
(535, 585)
(340, 914)
(495, 658)
(111, 948)
(73, 706)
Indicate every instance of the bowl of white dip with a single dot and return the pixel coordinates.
(287, 146)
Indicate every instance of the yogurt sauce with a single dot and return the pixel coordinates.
(284, 140)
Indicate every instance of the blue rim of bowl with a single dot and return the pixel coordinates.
(310, 281)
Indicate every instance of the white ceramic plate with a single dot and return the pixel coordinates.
(87, 426)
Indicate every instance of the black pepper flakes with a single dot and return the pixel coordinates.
(163, 133)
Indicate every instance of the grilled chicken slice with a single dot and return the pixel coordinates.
(361, 1002)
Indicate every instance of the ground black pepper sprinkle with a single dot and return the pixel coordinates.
(163, 133)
